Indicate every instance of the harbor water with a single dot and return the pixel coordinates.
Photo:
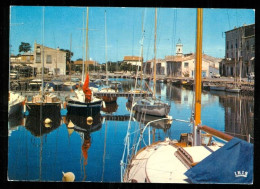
(94, 154)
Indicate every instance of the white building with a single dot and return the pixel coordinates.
(133, 60)
(54, 59)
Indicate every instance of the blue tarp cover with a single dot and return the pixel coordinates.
(231, 164)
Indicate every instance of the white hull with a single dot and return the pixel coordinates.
(162, 162)
(15, 103)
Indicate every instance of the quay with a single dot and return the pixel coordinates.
(246, 86)
(97, 94)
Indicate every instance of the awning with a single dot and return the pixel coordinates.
(231, 164)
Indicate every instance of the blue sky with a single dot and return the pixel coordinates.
(124, 29)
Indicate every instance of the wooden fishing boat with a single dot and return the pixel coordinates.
(44, 103)
(82, 101)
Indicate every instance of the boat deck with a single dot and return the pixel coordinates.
(160, 163)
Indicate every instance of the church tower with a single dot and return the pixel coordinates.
(179, 48)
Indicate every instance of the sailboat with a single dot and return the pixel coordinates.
(82, 101)
(45, 102)
(112, 88)
(151, 105)
(195, 158)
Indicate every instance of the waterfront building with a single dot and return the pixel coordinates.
(133, 60)
(239, 51)
(160, 67)
(183, 65)
(25, 59)
(54, 59)
(78, 64)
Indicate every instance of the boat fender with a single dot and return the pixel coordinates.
(70, 125)
(47, 121)
(89, 120)
(68, 177)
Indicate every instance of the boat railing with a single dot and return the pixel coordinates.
(127, 155)
(149, 137)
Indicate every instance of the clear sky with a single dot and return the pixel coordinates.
(123, 30)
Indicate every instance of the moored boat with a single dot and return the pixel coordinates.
(15, 103)
(196, 157)
(233, 90)
(217, 88)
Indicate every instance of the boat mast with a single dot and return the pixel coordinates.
(141, 79)
(154, 63)
(106, 47)
(70, 55)
(197, 112)
(43, 10)
(83, 64)
(86, 67)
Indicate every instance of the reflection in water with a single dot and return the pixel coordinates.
(239, 115)
(173, 93)
(110, 107)
(36, 125)
(84, 126)
(14, 122)
(32, 156)
(144, 119)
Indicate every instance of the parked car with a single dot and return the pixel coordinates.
(215, 75)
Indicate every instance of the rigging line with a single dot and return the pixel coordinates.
(127, 138)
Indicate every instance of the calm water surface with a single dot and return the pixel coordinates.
(93, 154)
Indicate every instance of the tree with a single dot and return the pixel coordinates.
(24, 47)
(68, 54)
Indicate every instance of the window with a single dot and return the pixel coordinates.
(48, 61)
(186, 64)
(227, 44)
(38, 49)
(247, 45)
(38, 58)
(253, 48)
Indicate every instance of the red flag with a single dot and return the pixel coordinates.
(86, 90)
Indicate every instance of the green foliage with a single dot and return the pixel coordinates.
(24, 47)
(68, 54)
